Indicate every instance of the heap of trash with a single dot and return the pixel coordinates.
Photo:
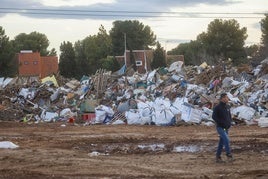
(175, 95)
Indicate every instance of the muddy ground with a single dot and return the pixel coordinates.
(65, 150)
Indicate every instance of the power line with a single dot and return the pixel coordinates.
(90, 13)
(134, 12)
(121, 15)
(124, 15)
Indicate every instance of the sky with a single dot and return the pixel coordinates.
(172, 21)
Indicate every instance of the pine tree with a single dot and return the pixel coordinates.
(159, 59)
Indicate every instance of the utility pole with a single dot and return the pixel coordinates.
(145, 60)
(166, 50)
(125, 54)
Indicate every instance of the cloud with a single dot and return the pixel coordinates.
(105, 9)
(58, 3)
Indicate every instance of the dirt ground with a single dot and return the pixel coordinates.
(65, 150)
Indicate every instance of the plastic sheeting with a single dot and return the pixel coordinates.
(263, 122)
(8, 145)
(4, 82)
(176, 66)
(50, 79)
(190, 114)
(243, 112)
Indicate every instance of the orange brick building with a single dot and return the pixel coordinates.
(32, 64)
(143, 59)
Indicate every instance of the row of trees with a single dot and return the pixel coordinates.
(98, 51)
(264, 39)
(223, 40)
(84, 56)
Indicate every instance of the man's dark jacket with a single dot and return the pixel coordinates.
(222, 116)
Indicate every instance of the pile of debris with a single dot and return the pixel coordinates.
(177, 95)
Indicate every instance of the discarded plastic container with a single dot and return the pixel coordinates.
(88, 116)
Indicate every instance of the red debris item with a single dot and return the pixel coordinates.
(71, 120)
(88, 117)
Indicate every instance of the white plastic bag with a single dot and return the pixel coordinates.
(163, 117)
(102, 112)
(133, 117)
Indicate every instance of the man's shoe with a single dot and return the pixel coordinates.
(230, 157)
(219, 160)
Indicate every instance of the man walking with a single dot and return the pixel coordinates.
(222, 117)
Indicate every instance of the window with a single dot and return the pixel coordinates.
(35, 62)
(26, 63)
(138, 63)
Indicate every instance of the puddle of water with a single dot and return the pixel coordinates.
(152, 147)
(124, 148)
(184, 148)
